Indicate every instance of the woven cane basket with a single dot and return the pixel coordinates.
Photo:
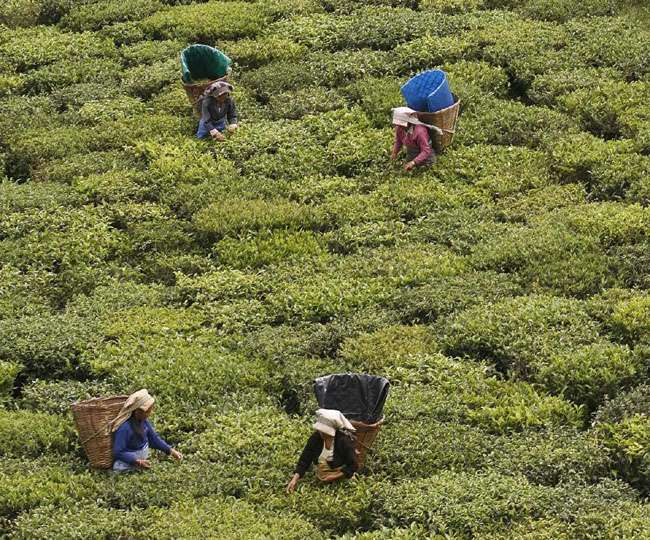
(364, 437)
(446, 120)
(93, 418)
(194, 92)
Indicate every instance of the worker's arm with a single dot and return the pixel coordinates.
(349, 458)
(399, 141)
(309, 454)
(155, 440)
(424, 145)
(209, 116)
(231, 112)
(120, 448)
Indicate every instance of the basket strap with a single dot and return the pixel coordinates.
(356, 440)
(98, 432)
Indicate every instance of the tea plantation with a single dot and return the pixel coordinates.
(505, 291)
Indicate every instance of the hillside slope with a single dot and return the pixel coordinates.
(504, 291)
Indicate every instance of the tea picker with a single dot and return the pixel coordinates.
(347, 423)
(428, 124)
(205, 80)
(116, 433)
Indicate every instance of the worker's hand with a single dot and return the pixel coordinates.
(143, 463)
(176, 454)
(217, 135)
(232, 127)
(393, 156)
(291, 486)
(409, 166)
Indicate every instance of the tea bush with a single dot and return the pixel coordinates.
(8, 373)
(150, 52)
(88, 520)
(318, 68)
(96, 15)
(570, 165)
(499, 501)
(619, 43)
(502, 291)
(523, 208)
(47, 345)
(546, 89)
(383, 28)
(455, 391)
(628, 440)
(426, 51)
(520, 334)
(453, 6)
(55, 397)
(218, 220)
(263, 250)
(205, 22)
(419, 448)
(600, 108)
(630, 320)
(388, 346)
(376, 96)
(31, 48)
(496, 121)
(233, 448)
(25, 13)
(534, 253)
(227, 519)
(461, 503)
(253, 53)
(567, 9)
(145, 80)
(312, 100)
(30, 434)
(627, 404)
(551, 457)
(448, 294)
(589, 374)
(28, 484)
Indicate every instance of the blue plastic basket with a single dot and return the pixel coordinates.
(428, 91)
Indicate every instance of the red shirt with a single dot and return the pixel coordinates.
(418, 136)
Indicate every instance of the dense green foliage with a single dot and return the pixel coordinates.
(504, 291)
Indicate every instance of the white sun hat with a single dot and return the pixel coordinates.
(403, 116)
(329, 420)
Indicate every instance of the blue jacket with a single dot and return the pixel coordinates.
(214, 114)
(127, 441)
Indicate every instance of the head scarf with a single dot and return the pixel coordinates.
(329, 420)
(217, 88)
(403, 116)
(138, 400)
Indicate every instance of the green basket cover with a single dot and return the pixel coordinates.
(203, 62)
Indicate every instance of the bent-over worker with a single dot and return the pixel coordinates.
(218, 111)
(134, 434)
(414, 135)
(330, 447)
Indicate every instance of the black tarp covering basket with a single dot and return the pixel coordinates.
(361, 399)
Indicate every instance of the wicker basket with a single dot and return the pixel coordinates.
(446, 120)
(93, 418)
(364, 437)
(194, 92)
